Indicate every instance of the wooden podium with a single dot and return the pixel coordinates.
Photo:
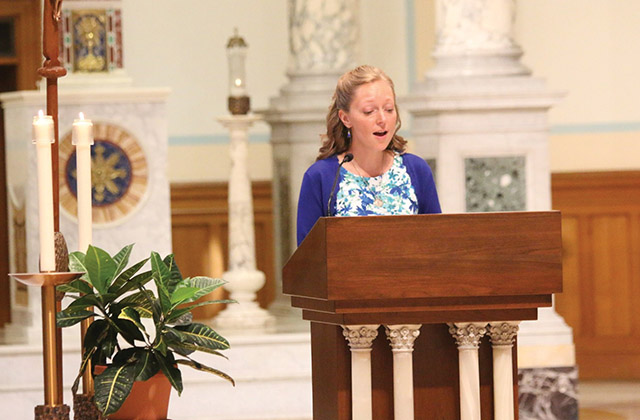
(424, 269)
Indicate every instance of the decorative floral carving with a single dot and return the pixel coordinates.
(468, 335)
(503, 333)
(402, 337)
(360, 336)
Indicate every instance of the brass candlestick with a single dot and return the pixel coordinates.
(53, 408)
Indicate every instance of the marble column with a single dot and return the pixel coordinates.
(401, 339)
(503, 335)
(360, 338)
(481, 120)
(244, 280)
(474, 38)
(323, 44)
(468, 336)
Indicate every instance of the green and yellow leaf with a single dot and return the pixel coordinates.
(167, 365)
(68, 318)
(113, 386)
(132, 315)
(201, 335)
(161, 276)
(122, 259)
(204, 368)
(76, 286)
(100, 268)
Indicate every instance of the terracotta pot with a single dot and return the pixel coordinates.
(148, 400)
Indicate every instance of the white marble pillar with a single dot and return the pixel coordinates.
(481, 120)
(474, 38)
(468, 336)
(503, 335)
(360, 338)
(401, 339)
(323, 44)
(244, 280)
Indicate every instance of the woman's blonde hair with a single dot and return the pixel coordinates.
(336, 140)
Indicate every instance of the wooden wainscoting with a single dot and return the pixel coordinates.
(601, 298)
(199, 222)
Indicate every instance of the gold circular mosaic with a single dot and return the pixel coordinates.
(119, 174)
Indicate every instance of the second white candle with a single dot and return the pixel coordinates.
(83, 139)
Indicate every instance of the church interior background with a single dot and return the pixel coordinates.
(576, 96)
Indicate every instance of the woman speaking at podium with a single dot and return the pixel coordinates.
(362, 168)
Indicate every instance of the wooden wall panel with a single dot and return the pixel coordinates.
(601, 237)
(199, 222)
(612, 275)
(571, 296)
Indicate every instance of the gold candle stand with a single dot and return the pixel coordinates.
(53, 408)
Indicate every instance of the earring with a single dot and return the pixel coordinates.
(349, 133)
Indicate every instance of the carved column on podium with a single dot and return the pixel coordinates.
(243, 277)
(468, 336)
(401, 339)
(323, 44)
(360, 338)
(503, 335)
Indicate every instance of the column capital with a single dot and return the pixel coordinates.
(468, 335)
(360, 337)
(323, 36)
(475, 38)
(402, 337)
(474, 26)
(503, 333)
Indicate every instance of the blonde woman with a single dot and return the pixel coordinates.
(362, 168)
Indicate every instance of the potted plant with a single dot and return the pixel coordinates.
(119, 299)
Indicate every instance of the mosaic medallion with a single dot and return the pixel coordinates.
(118, 174)
(495, 184)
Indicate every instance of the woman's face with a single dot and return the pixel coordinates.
(372, 115)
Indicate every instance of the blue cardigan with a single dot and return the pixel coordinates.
(317, 182)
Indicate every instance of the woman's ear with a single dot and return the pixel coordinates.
(344, 117)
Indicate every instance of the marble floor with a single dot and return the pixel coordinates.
(610, 400)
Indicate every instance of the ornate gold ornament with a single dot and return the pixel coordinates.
(119, 174)
(90, 40)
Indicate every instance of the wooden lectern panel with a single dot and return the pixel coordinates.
(426, 256)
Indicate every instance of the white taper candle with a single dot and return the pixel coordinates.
(43, 137)
(82, 138)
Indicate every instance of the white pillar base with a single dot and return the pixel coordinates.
(246, 313)
(547, 342)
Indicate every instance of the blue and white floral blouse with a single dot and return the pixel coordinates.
(388, 194)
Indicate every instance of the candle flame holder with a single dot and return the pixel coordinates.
(54, 408)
